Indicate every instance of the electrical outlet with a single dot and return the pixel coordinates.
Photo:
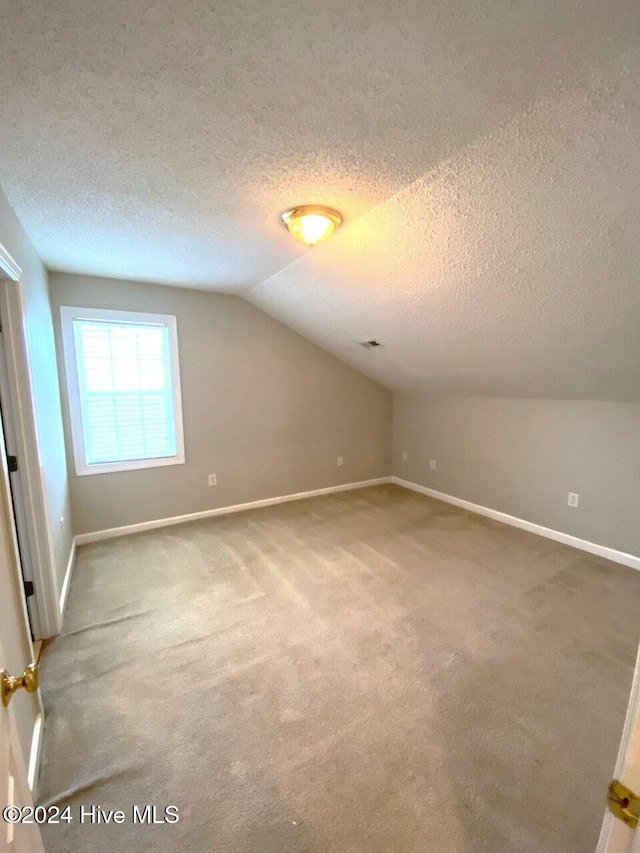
(340, 461)
(432, 464)
(405, 455)
(573, 499)
(213, 480)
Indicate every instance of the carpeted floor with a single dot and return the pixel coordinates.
(368, 672)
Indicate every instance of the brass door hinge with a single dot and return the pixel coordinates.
(624, 804)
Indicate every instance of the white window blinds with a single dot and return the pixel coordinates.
(126, 399)
(125, 382)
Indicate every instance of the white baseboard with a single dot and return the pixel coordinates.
(67, 577)
(599, 550)
(113, 532)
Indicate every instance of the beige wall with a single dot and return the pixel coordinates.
(46, 396)
(264, 409)
(522, 457)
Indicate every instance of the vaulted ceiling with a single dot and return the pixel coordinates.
(484, 154)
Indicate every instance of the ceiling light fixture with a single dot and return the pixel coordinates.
(311, 223)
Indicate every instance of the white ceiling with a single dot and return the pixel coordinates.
(510, 269)
(484, 153)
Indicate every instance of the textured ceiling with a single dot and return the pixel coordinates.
(484, 154)
(510, 269)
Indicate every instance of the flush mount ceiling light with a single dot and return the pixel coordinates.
(311, 223)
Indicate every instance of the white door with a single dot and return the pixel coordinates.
(15, 796)
(17, 492)
(616, 836)
(21, 720)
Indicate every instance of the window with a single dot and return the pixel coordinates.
(123, 383)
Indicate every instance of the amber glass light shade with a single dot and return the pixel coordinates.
(311, 224)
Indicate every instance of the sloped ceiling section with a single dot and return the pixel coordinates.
(484, 154)
(510, 269)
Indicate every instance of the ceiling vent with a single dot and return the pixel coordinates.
(370, 344)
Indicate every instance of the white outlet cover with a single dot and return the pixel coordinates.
(573, 499)
(213, 480)
(340, 461)
(432, 464)
(405, 455)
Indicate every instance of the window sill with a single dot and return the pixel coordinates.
(83, 470)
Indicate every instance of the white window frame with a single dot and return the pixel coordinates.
(68, 314)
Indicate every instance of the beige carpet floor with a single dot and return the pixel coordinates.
(367, 672)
